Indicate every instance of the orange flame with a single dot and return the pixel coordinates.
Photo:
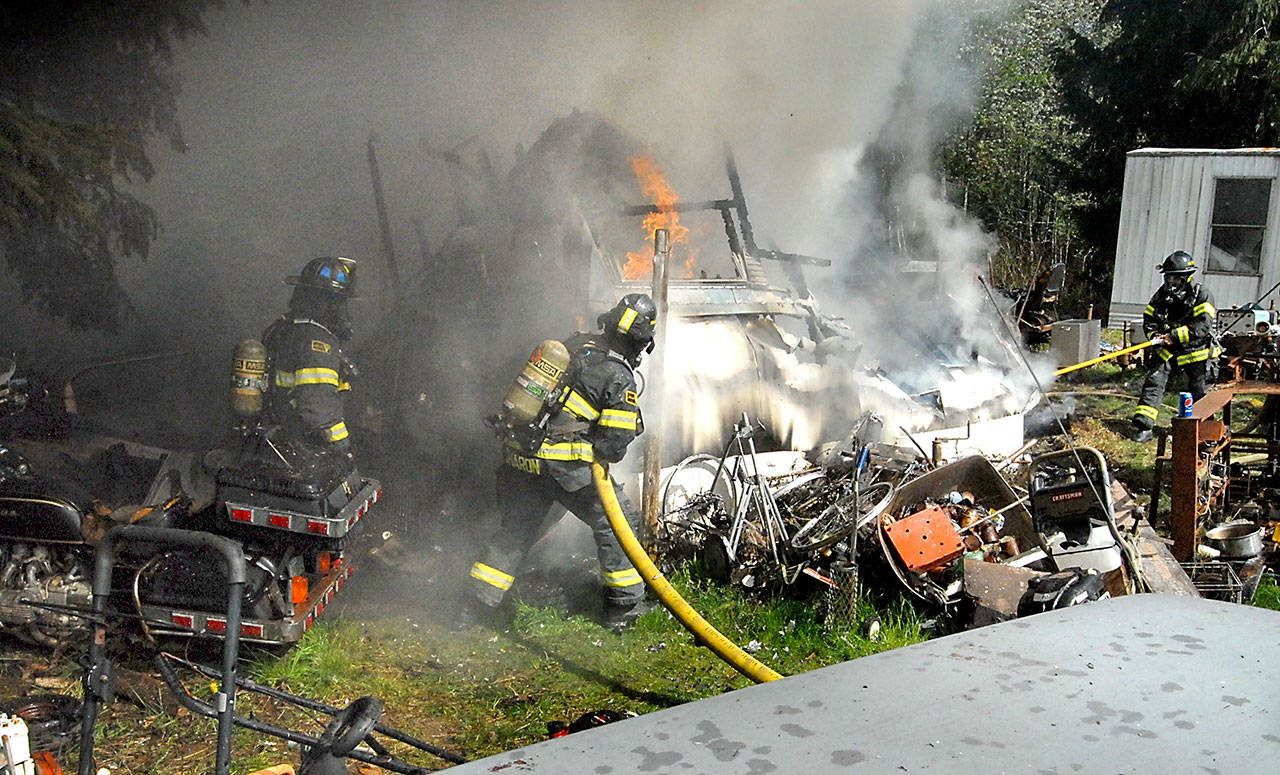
(654, 186)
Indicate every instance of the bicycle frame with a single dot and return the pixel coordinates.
(755, 493)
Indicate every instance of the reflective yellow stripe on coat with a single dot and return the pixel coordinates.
(567, 451)
(580, 407)
(317, 376)
(1195, 356)
(620, 418)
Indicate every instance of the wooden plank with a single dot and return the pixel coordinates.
(1163, 573)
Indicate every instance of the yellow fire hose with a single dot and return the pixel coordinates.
(723, 647)
(1107, 357)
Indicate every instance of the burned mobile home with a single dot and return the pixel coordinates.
(749, 332)
(805, 344)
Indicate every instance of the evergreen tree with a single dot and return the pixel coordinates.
(83, 86)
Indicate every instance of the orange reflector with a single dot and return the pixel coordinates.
(324, 562)
(298, 589)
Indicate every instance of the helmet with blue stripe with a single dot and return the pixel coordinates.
(334, 274)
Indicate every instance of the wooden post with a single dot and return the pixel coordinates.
(1190, 468)
(653, 435)
(1184, 486)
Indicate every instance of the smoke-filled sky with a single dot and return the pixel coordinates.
(279, 99)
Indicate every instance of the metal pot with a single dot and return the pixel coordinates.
(1240, 538)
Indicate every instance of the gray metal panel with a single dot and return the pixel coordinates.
(691, 300)
(1138, 684)
(1168, 204)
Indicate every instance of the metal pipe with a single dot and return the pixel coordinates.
(309, 704)
(97, 672)
(200, 708)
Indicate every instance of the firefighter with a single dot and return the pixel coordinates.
(1179, 320)
(597, 420)
(308, 370)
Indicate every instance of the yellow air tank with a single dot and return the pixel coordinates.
(535, 383)
(248, 378)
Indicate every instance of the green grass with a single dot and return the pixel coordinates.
(483, 691)
(1268, 594)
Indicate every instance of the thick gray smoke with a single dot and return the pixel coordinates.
(280, 99)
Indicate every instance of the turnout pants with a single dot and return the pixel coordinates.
(524, 500)
(1153, 389)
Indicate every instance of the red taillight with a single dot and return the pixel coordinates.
(217, 625)
(242, 515)
(278, 520)
(251, 630)
(315, 526)
(298, 590)
(182, 620)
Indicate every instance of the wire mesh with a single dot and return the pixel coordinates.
(1215, 579)
(840, 602)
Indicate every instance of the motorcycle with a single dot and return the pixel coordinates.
(293, 511)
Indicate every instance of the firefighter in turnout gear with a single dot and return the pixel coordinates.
(308, 371)
(1179, 319)
(598, 417)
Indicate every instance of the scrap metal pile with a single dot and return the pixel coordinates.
(870, 513)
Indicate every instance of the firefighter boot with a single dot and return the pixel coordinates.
(474, 614)
(619, 618)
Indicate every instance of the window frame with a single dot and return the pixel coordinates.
(1264, 226)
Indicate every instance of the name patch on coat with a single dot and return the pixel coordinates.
(319, 346)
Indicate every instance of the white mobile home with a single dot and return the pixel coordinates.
(1218, 205)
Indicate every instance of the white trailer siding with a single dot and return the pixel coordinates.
(1167, 205)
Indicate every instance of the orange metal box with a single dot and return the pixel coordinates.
(925, 539)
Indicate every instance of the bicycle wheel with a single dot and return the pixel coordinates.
(695, 504)
(695, 476)
(835, 522)
(803, 502)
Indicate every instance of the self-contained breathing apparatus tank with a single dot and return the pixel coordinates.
(248, 378)
(535, 394)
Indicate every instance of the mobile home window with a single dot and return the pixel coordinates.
(1239, 223)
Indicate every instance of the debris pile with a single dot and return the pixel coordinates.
(853, 514)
